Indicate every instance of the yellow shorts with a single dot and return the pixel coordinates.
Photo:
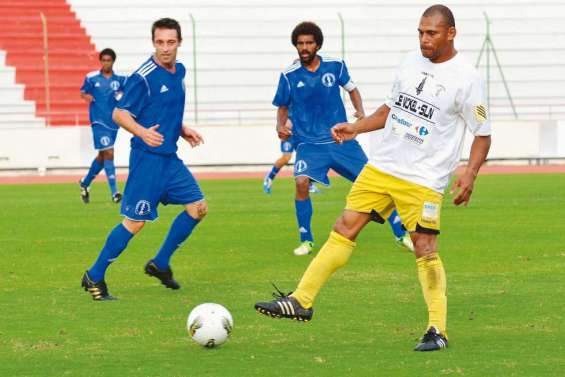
(419, 207)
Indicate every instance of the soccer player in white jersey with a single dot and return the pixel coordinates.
(436, 95)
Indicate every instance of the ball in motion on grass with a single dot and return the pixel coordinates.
(209, 324)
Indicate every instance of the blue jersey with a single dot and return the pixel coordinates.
(105, 93)
(153, 95)
(313, 98)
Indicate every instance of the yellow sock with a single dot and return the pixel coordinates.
(334, 254)
(432, 279)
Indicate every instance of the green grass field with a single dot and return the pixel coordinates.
(504, 256)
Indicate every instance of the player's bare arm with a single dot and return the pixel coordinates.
(357, 103)
(463, 185)
(283, 128)
(149, 135)
(346, 131)
(191, 136)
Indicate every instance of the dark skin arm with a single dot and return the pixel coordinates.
(463, 186)
(346, 131)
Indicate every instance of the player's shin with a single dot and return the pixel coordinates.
(110, 170)
(181, 228)
(95, 168)
(304, 212)
(334, 254)
(432, 279)
(116, 242)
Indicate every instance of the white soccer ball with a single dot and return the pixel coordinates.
(209, 324)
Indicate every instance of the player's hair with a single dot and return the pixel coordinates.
(444, 11)
(107, 51)
(307, 28)
(166, 23)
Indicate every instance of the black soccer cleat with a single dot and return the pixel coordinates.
(432, 340)
(117, 197)
(284, 306)
(84, 193)
(166, 276)
(99, 291)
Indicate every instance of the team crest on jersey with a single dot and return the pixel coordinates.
(420, 87)
(480, 113)
(142, 208)
(115, 85)
(439, 90)
(300, 166)
(105, 141)
(328, 79)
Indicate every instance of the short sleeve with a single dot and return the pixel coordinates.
(282, 97)
(86, 86)
(136, 95)
(344, 79)
(474, 110)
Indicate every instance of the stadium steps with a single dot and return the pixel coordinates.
(71, 56)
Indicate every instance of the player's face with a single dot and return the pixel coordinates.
(307, 48)
(106, 62)
(436, 38)
(166, 43)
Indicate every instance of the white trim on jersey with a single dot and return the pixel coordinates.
(147, 70)
(92, 74)
(292, 68)
(350, 86)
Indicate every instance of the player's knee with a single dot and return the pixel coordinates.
(108, 154)
(132, 226)
(423, 246)
(198, 210)
(302, 185)
(342, 227)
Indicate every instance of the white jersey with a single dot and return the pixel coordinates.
(430, 106)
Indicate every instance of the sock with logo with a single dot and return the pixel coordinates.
(304, 218)
(95, 168)
(334, 254)
(396, 225)
(180, 230)
(110, 170)
(115, 243)
(432, 279)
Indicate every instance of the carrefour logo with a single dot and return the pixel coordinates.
(401, 121)
(422, 131)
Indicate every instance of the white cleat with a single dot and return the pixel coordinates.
(406, 242)
(305, 248)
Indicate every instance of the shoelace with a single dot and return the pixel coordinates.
(279, 294)
(430, 335)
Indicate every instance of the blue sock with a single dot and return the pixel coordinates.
(180, 230)
(95, 168)
(115, 243)
(274, 172)
(304, 217)
(110, 170)
(396, 224)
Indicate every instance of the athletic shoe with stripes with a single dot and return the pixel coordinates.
(98, 290)
(284, 306)
(432, 340)
(165, 276)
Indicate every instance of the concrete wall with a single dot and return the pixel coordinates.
(71, 147)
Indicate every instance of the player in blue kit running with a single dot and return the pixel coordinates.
(309, 94)
(152, 109)
(102, 90)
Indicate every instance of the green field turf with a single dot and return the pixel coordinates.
(504, 256)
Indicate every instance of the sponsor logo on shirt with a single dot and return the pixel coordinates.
(164, 89)
(480, 113)
(401, 121)
(420, 87)
(415, 106)
(300, 84)
(328, 79)
(97, 84)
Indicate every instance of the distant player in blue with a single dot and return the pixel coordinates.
(102, 90)
(309, 90)
(287, 149)
(152, 109)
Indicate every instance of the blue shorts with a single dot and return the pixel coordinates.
(288, 146)
(104, 137)
(315, 160)
(153, 179)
